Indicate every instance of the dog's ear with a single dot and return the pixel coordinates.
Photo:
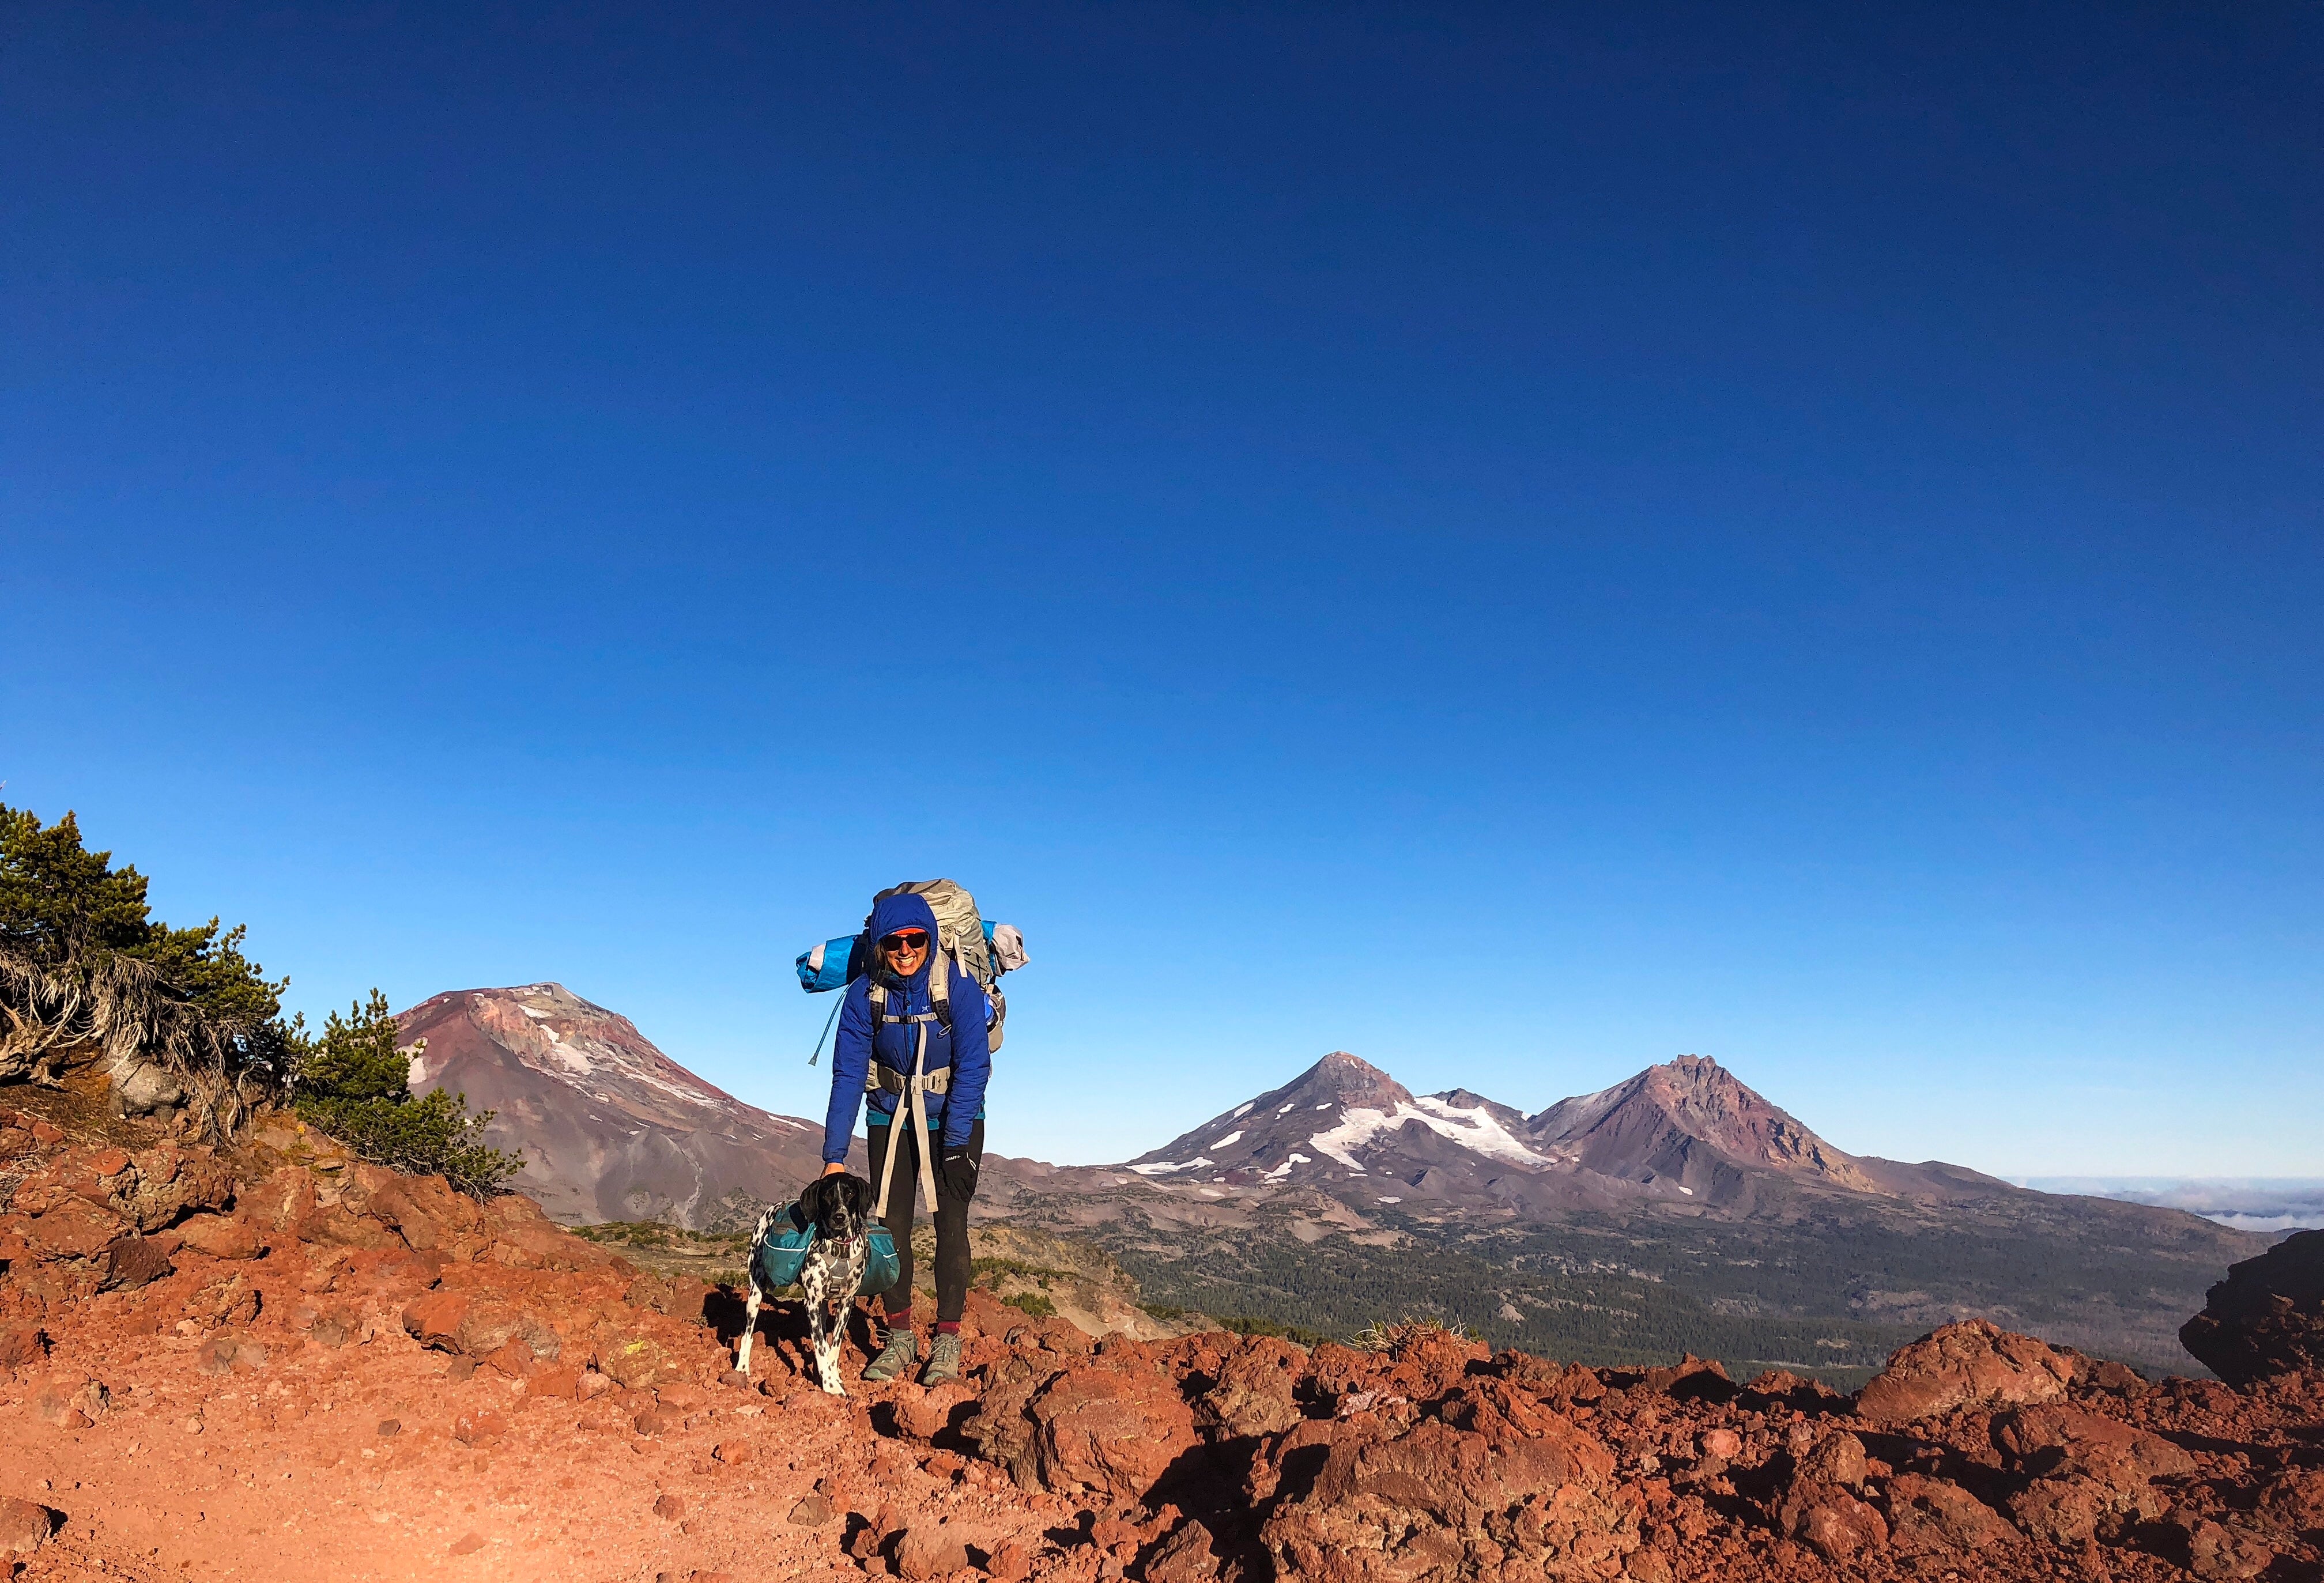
(858, 1196)
(814, 1199)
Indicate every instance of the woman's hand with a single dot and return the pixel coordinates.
(836, 1168)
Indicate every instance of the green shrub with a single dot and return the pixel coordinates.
(1033, 1303)
(355, 1084)
(83, 964)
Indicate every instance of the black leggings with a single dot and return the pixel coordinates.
(952, 1218)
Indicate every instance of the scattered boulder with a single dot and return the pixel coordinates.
(2216, 1552)
(1108, 1430)
(131, 1262)
(2090, 1473)
(2267, 1317)
(1434, 1499)
(1187, 1554)
(1254, 1395)
(224, 1237)
(1933, 1516)
(25, 1526)
(70, 1402)
(929, 1549)
(1973, 1363)
(20, 1345)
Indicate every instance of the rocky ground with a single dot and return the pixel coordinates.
(280, 1364)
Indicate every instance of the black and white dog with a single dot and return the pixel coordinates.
(839, 1210)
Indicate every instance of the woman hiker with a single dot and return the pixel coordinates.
(891, 1026)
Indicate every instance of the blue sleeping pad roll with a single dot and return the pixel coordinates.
(784, 1253)
(830, 965)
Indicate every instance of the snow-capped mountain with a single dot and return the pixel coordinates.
(1687, 1129)
(611, 1128)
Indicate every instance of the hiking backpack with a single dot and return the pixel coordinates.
(984, 952)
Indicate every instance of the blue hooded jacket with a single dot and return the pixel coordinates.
(961, 1047)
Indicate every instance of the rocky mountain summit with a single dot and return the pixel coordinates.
(611, 1128)
(285, 1364)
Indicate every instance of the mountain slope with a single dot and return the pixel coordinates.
(611, 1128)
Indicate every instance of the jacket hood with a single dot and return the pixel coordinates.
(899, 912)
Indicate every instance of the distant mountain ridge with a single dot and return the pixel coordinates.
(1675, 1210)
(1687, 1129)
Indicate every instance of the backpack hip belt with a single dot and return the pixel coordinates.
(886, 1080)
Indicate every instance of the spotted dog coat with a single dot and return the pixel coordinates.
(840, 1209)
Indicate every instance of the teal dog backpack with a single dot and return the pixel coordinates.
(783, 1255)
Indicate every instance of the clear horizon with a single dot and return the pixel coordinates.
(1518, 545)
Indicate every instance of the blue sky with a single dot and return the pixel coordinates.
(1516, 544)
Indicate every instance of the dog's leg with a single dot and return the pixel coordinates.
(750, 1311)
(817, 1279)
(750, 1327)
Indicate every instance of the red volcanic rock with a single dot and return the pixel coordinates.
(433, 1320)
(1109, 1433)
(479, 1426)
(924, 1414)
(25, 1525)
(73, 1229)
(638, 1361)
(2090, 1473)
(20, 1345)
(1111, 1428)
(1254, 1393)
(1933, 1516)
(1974, 1363)
(163, 1182)
(926, 1550)
(1184, 1556)
(2267, 1317)
(487, 1325)
(2213, 1550)
(1436, 1500)
(134, 1261)
(2292, 1503)
(70, 1402)
(220, 1236)
(424, 1211)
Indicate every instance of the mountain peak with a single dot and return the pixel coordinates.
(1681, 1121)
(1349, 1079)
(610, 1126)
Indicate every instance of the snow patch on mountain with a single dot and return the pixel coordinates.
(1165, 1167)
(1476, 1130)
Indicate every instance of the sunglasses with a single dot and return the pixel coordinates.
(904, 940)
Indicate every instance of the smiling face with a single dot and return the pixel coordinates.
(905, 950)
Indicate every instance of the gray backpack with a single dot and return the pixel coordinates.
(983, 951)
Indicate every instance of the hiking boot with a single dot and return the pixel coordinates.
(902, 1351)
(944, 1359)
